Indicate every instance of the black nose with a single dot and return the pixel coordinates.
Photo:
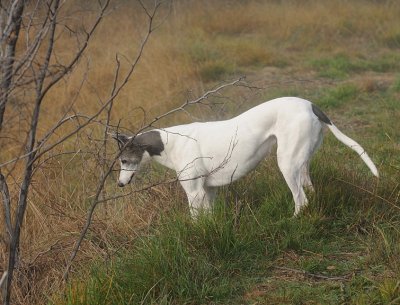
(120, 184)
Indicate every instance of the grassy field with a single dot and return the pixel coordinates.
(144, 249)
(344, 249)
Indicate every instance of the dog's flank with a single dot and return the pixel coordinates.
(202, 154)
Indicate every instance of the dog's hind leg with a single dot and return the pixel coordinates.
(310, 147)
(292, 177)
(305, 177)
(293, 156)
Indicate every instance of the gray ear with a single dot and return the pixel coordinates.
(120, 138)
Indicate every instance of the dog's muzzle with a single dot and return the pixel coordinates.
(121, 184)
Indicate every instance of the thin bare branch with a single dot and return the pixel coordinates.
(27, 176)
(79, 53)
(196, 101)
(96, 199)
(345, 277)
(11, 34)
(115, 92)
(6, 204)
(3, 279)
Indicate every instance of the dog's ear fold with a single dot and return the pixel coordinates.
(120, 138)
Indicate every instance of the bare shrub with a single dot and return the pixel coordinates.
(41, 44)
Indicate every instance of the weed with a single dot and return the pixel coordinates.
(385, 63)
(342, 66)
(215, 70)
(392, 40)
(337, 67)
(339, 95)
(396, 84)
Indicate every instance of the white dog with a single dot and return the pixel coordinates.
(211, 154)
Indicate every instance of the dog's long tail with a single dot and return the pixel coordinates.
(345, 139)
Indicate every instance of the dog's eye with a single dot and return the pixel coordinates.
(124, 161)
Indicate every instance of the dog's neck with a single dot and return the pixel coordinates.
(157, 148)
(162, 158)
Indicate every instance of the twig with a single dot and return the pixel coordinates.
(315, 275)
(115, 92)
(196, 101)
(44, 252)
(96, 199)
(3, 279)
(6, 204)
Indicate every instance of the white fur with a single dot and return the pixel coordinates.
(211, 154)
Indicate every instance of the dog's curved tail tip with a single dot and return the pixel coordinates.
(355, 146)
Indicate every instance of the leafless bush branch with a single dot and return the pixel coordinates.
(96, 200)
(34, 68)
(6, 205)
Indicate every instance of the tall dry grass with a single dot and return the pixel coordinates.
(200, 43)
(237, 35)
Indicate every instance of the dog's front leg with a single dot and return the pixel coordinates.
(199, 196)
(198, 204)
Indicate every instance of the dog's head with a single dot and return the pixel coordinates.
(133, 150)
(131, 156)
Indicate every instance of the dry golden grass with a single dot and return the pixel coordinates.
(208, 41)
(201, 42)
(239, 36)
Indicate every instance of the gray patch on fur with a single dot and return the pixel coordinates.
(151, 142)
(322, 116)
(132, 153)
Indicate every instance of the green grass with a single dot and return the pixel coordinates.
(215, 70)
(338, 96)
(220, 57)
(342, 66)
(228, 256)
(337, 67)
(396, 84)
